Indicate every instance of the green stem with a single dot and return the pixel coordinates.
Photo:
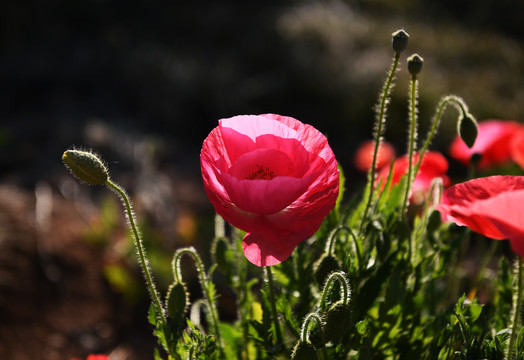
(332, 240)
(517, 307)
(411, 146)
(142, 258)
(204, 282)
(304, 333)
(444, 102)
(380, 124)
(341, 278)
(272, 300)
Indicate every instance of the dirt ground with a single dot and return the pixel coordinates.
(55, 302)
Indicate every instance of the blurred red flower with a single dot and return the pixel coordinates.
(491, 206)
(434, 165)
(494, 143)
(517, 148)
(364, 155)
(271, 176)
(96, 357)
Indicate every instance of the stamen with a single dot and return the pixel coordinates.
(262, 173)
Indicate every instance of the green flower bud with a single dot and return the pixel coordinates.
(219, 252)
(304, 351)
(325, 266)
(415, 63)
(86, 167)
(316, 335)
(468, 129)
(177, 303)
(337, 320)
(399, 41)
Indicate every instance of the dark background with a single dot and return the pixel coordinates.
(143, 83)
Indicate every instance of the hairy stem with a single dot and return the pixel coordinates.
(444, 102)
(411, 141)
(380, 124)
(142, 258)
(517, 308)
(204, 282)
(272, 300)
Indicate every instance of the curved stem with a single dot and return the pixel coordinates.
(380, 124)
(304, 333)
(444, 102)
(341, 278)
(142, 258)
(332, 240)
(204, 282)
(272, 300)
(517, 308)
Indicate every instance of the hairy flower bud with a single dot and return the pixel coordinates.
(337, 320)
(177, 303)
(415, 63)
(399, 41)
(325, 266)
(304, 350)
(468, 129)
(86, 166)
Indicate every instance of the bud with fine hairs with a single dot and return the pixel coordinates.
(86, 166)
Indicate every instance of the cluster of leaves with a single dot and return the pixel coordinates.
(407, 298)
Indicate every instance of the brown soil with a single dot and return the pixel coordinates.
(55, 302)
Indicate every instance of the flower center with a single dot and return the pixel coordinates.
(262, 173)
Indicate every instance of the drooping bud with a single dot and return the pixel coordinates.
(177, 299)
(86, 166)
(336, 321)
(415, 63)
(399, 41)
(325, 266)
(177, 303)
(304, 350)
(468, 129)
(220, 252)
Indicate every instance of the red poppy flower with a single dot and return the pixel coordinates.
(493, 143)
(96, 357)
(433, 165)
(364, 155)
(491, 206)
(271, 176)
(517, 148)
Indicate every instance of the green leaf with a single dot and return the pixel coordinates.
(475, 309)
(362, 327)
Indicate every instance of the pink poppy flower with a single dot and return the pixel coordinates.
(493, 143)
(491, 206)
(364, 155)
(271, 176)
(434, 165)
